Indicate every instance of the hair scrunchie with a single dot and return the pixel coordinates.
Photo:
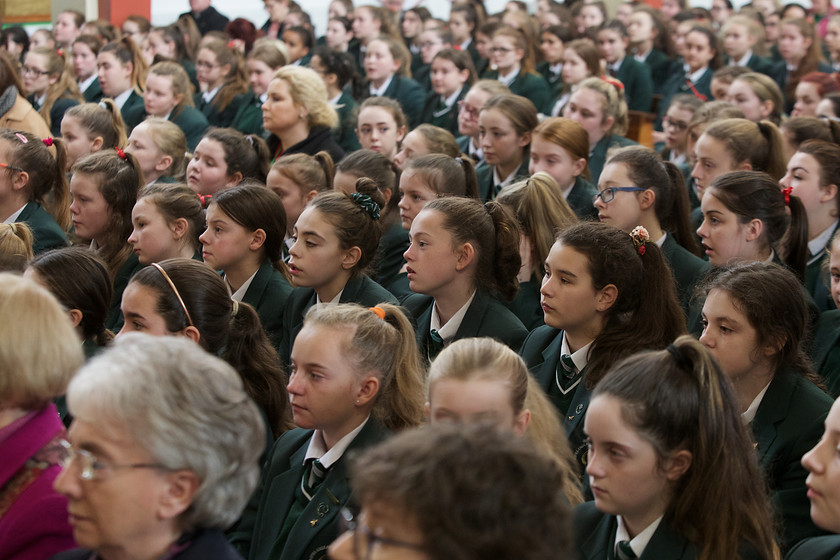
(786, 192)
(367, 204)
(121, 153)
(640, 236)
(48, 142)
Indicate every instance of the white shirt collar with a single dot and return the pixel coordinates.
(498, 180)
(743, 60)
(466, 44)
(13, 218)
(508, 78)
(556, 68)
(640, 541)
(328, 457)
(380, 91)
(616, 66)
(240, 293)
(450, 329)
(122, 98)
(450, 101)
(264, 97)
(336, 299)
(84, 84)
(695, 76)
(580, 357)
(475, 152)
(749, 415)
(677, 159)
(642, 56)
(333, 102)
(661, 241)
(817, 245)
(40, 101)
(209, 95)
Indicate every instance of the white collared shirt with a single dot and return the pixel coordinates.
(13, 218)
(743, 60)
(616, 66)
(380, 91)
(333, 102)
(580, 357)
(41, 100)
(640, 541)
(498, 180)
(508, 78)
(336, 299)
(817, 245)
(328, 457)
(641, 57)
(240, 293)
(450, 329)
(122, 98)
(556, 68)
(466, 44)
(208, 96)
(749, 415)
(475, 152)
(264, 98)
(84, 84)
(695, 76)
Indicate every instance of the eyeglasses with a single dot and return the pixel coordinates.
(679, 125)
(468, 110)
(428, 45)
(13, 167)
(607, 195)
(500, 50)
(90, 466)
(207, 65)
(364, 540)
(29, 71)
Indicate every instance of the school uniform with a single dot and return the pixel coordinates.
(677, 82)
(57, 111)
(189, 68)
(208, 19)
(788, 423)
(389, 261)
(638, 83)
(408, 93)
(268, 294)
(816, 548)
(345, 134)
(93, 93)
(486, 316)
(825, 351)
(479, 63)
(249, 116)
(46, 233)
(553, 77)
(598, 155)
(464, 144)
(580, 199)
(815, 282)
(354, 49)
(541, 353)
(423, 76)
(217, 117)
(783, 77)
(526, 305)
(687, 267)
(192, 122)
(114, 320)
(761, 65)
(132, 106)
(527, 84)
(437, 113)
(317, 525)
(319, 138)
(659, 64)
(359, 289)
(487, 187)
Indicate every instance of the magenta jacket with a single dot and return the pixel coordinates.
(33, 517)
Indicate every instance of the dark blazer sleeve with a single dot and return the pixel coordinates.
(193, 123)
(269, 293)
(46, 233)
(411, 97)
(57, 114)
(816, 548)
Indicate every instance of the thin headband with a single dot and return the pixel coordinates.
(175, 291)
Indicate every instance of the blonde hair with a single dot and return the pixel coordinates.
(64, 87)
(15, 246)
(754, 28)
(181, 84)
(170, 140)
(40, 350)
(484, 359)
(760, 144)
(101, 119)
(307, 89)
(614, 104)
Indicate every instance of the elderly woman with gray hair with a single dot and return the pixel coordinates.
(162, 454)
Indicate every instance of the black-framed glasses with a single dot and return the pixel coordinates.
(363, 538)
(607, 195)
(90, 467)
(12, 167)
(29, 71)
(679, 125)
(500, 50)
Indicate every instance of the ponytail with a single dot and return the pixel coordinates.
(775, 162)
(759, 144)
(15, 246)
(325, 162)
(126, 52)
(445, 175)
(103, 119)
(263, 155)
(679, 222)
(507, 261)
(470, 177)
(793, 246)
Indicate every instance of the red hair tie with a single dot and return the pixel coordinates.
(231, 44)
(48, 142)
(205, 199)
(617, 84)
(59, 52)
(121, 153)
(786, 192)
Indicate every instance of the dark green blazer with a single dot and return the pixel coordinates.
(816, 548)
(390, 259)
(464, 145)
(526, 304)
(446, 117)
(345, 134)
(46, 233)
(189, 68)
(219, 118)
(249, 117)
(409, 94)
(788, 423)
(530, 85)
(268, 294)
(541, 352)
(192, 122)
(815, 282)
(678, 83)
(660, 66)
(359, 289)
(93, 93)
(131, 108)
(580, 199)
(56, 112)
(638, 84)
(255, 534)
(479, 63)
(598, 157)
(114, 319)
(486, 186)
(764, 65)
(688, 270)
(486, 316)
(423, 76)
(554, 81)
(825, 351)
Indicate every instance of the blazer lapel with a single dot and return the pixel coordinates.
(550, 355)
(351, 290)
(826, 336)
(773, 409)
(666, 544)
(595, 547)
(474, 316)
(254, 294)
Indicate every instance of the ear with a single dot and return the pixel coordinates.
(75, 317)
(310, 195)
(178, 98)
(744, 166)
(647, 199)
(677, 465)
(607, 297)
(164, 163)
(525, 139)
(192, 333)
(331, 78)
(466, 255)
(520, 54)
(754, 229)
(608, 123)
(20, 180)
(520, 423)
(179, 228)
(578, 166)
(396, 67)
(53, 78)
(465, 74)
(828, 192)
(401, 133)
(234, 179)
(368, 390)
(257, 239)
(766, 108)
(178, 494)
(351, 258)
(97, 144)
(387, 193)
(225, 69)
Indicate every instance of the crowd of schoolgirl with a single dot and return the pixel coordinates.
(413, 221)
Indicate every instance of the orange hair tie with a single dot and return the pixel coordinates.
(378, 311)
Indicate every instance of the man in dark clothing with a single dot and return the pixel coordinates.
(206, 17)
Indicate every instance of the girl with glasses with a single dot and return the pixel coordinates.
(513, 57)
(468, 111)
(50, 86)
(223, 81)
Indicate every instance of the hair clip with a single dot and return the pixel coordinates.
(231, 44)
(48, 142)
(21, 137)
(640, 235)
(121, 153)
(786, 192)
(378, 311)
